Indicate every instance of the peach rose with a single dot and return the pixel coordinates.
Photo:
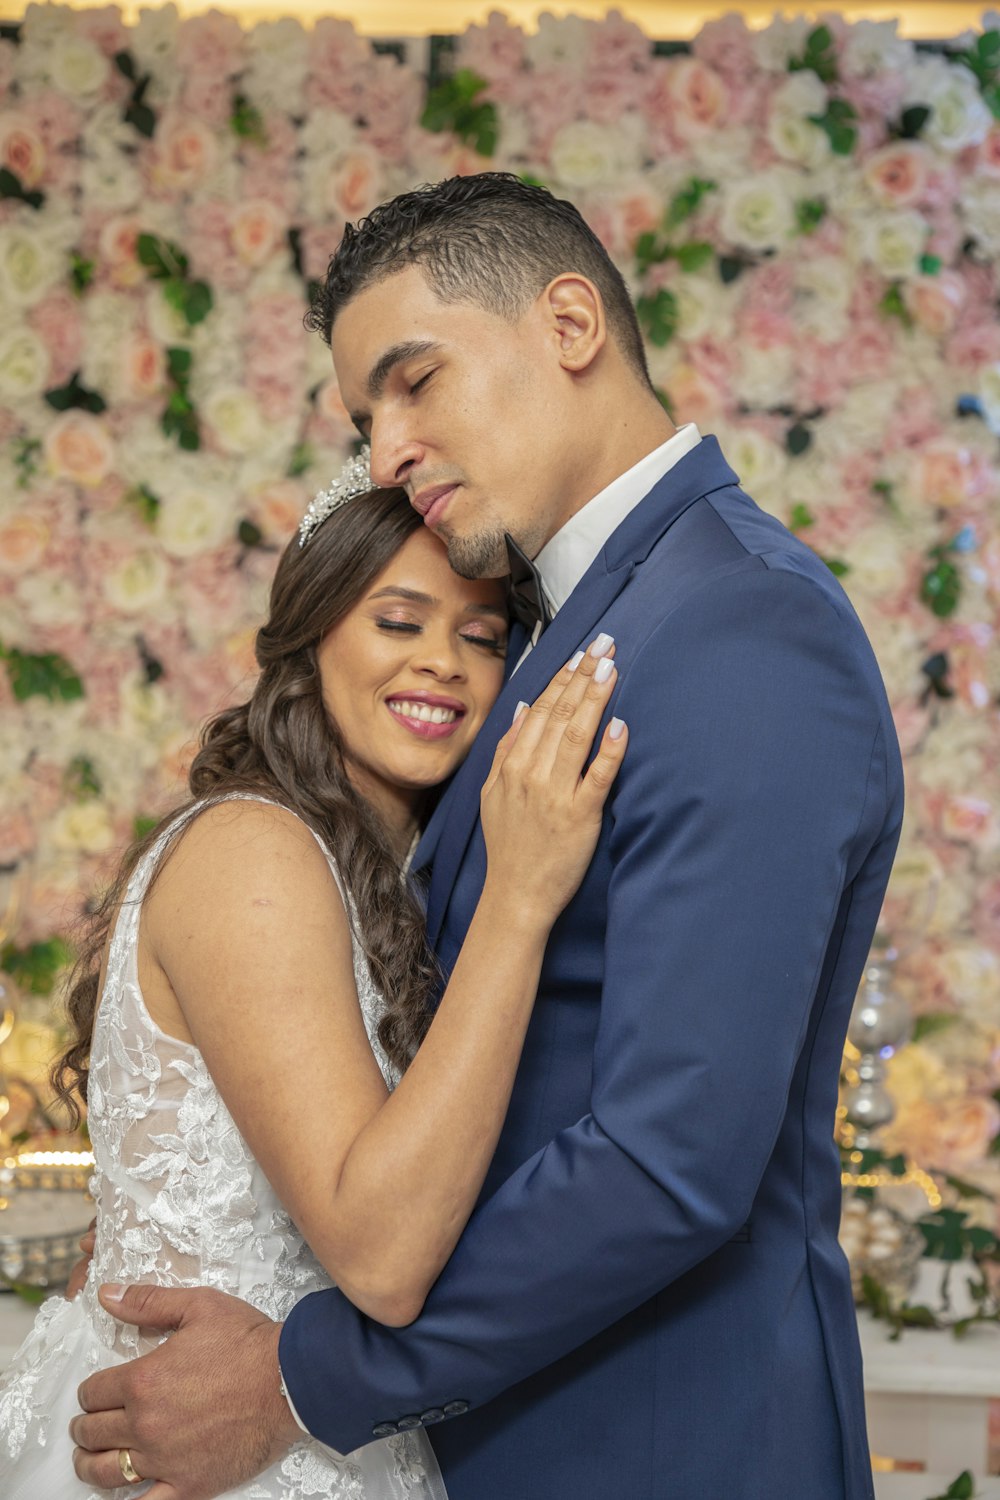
(355, 184)
(79, 448)
(934, 302)
(698, 95)
(693, 397)
(117, 245)
(22, 150)
(944, 474)
(186, 152)
(278, 508)
(142, 366)
(256, 231)
(969, 820)
(23, 539)
(897, 174)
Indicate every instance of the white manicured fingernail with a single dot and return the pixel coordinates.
(604, 669)
(602, 645)
(519, 710)
(616, 729)
(572, 665)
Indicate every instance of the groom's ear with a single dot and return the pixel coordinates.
(574, 306)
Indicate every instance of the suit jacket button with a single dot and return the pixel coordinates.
(384, 1429)
(456, 1408)
(435, 1414)
(406, 1424)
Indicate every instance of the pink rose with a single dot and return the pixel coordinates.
(897, 174)
(279, 507)
(78, 448)
(117, 246)
(494, 51)
(208, 97)
(17, 836)
(945, 474)
(212, 43)
(257, 230)
(698, 96)
(57, 318)
(988, 154)
(143, 367)
(969, 820)
(618, 45)
(184, 152)
(22, 150)
(727, 46)
(356, 184)
(986, 917)
(23, 538)
(693, 396)
(609, 93)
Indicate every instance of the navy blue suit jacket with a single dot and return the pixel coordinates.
(650, 1300)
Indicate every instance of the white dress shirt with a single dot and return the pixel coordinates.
(564, 559)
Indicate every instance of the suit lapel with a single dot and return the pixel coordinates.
(448, 834)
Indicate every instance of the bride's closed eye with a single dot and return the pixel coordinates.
(476, 638)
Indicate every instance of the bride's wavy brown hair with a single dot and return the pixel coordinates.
(283, 744)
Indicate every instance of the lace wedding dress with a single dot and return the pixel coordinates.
(180, 1202)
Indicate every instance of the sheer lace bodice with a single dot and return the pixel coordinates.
(182, 1202)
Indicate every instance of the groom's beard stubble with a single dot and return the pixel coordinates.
(484, 554)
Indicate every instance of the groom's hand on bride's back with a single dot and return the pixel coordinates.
(201, 1414)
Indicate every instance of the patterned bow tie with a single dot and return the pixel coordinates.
(525, 595)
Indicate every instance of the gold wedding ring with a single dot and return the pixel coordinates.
(128, 1468)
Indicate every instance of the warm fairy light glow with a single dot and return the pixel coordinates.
(664, 19)
(55, 1159)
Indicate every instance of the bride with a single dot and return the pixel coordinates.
(272, 1108)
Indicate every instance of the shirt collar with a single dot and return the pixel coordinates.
(565, 558)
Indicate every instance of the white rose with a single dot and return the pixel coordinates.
(139, 583)
(326, 133)
(893, 242)
(873, 47)
(279, 62)
(146, 710)
(774, 44)
(797, 139)
(585, 154)
(973, 974)
(703, 306)
(758, 213)
(823, 289)
(109, 181)
(24, 364)
(800, 94)
(154, 39)
(77, 66)
(83, 826)
(764, 377)
(49, 598)
(759, 462)
(960, 116)
(980, 205)
(190, 521)
(879, 565)
(233, 416)
(29, 264)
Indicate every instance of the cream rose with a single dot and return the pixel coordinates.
(233, 416)
(22, 150)
(29, 265)
(823, 288)
(257, 231)
(83, 827)
(790, 131)
(585, 154)
(77, 66)
(759, 462)
(893, 242)
(758, 213)
(49, 598)
(78, 447)
(139, 583)
(934, 302)
(24, 364)
(192, 521)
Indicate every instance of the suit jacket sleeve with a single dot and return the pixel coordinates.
(754, 788)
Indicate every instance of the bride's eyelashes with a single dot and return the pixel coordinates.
(409, 627)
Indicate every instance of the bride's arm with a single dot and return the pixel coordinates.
(250, 930)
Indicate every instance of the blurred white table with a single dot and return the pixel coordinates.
(16, 1317)
(928, 1396)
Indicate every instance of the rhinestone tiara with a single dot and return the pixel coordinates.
(354, 479)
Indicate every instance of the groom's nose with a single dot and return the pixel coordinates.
(395, 452)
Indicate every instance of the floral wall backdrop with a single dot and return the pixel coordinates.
(809, 218)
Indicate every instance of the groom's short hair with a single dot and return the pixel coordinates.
(490, 239)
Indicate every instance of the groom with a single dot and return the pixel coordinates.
(649, 1302)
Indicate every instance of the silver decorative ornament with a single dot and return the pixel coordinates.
(880, 1024)
(354, 479)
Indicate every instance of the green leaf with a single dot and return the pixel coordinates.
(81, 779)
(962, 1488)
(893, 306)
(684, 203)
(694, 255)
(930, 264)
(801, 517)
(249, 534)
(33, 1295)
(730, 267)
(125, 64)
(664, 400)
(26, 453)
(198, 302)
(142, 826)
(73, 394)
(11, 187)
(913, 120)
(247, 121)
(142, 119)
(929, 1025)
(818, 56)
(809, 214)
(81, 272)
(301, 460)
(658, 316)
(162, 258)
(797, 439)
(837, 566)
(47, 676)
(650, 251)
(145, 502)
(838, 125)
(452, 105)
(941, 588)
(886, 492)
(179, 362)
(36, 967)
